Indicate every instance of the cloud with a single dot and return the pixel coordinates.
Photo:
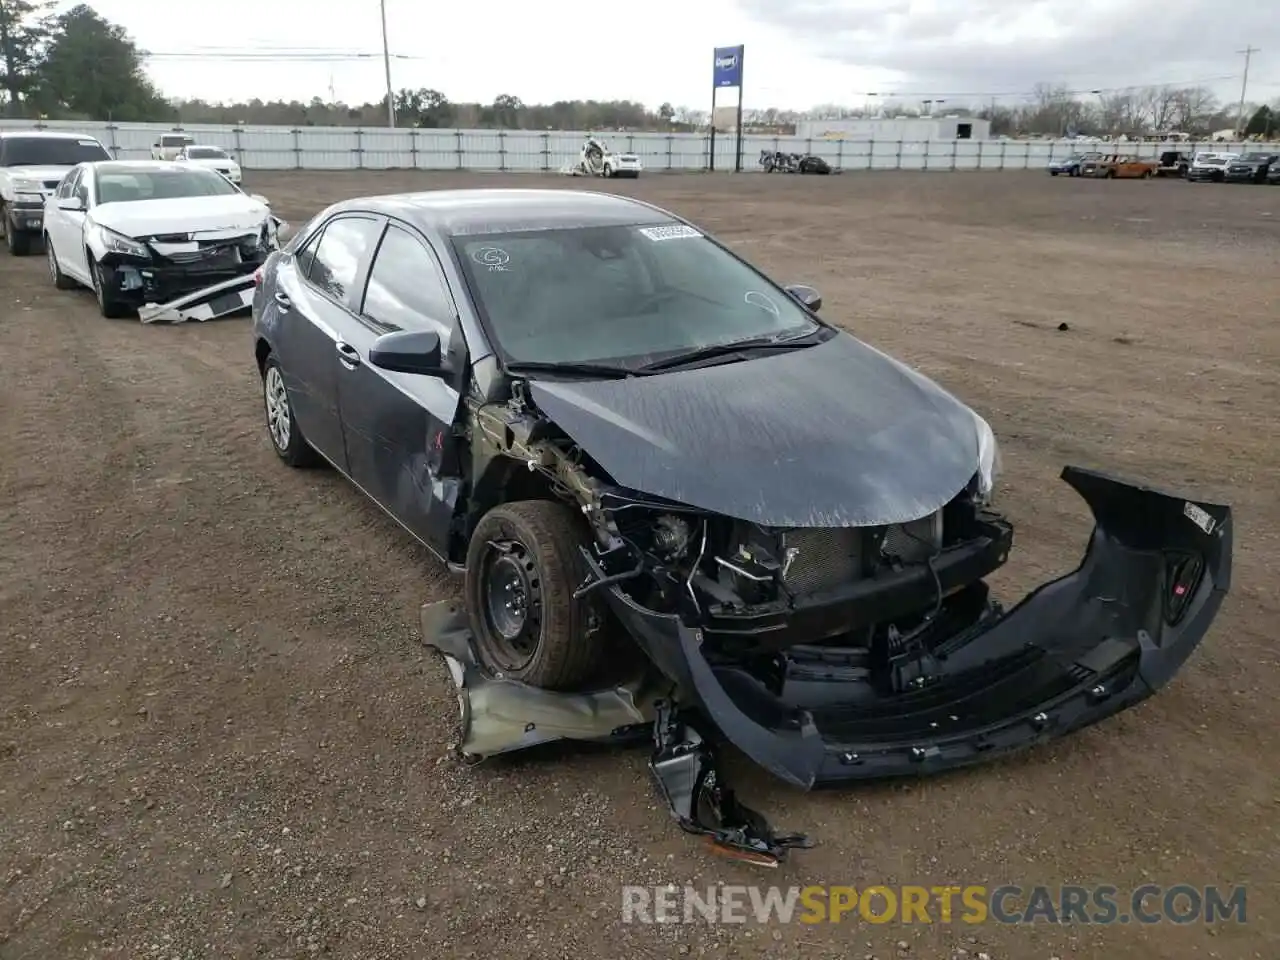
(1009, 46)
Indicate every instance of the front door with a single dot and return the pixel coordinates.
(399, 426)
(315, 291)
(65, 226)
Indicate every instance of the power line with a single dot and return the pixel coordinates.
(268, 57)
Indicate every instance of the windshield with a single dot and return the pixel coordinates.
(1256, 156)
(125, 184)
(619, 293)
(1213, 161)
(206, 153)
(49, 151)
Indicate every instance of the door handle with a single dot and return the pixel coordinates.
(283, 301)
(348, 355)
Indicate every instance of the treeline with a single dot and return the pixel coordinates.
(79, 66)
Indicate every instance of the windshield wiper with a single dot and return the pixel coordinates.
(728, 349)
(598, 371)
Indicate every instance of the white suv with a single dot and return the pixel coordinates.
(32, 164)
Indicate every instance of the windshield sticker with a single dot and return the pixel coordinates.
(679, 232)
(495, 259)
(1199, 516)
(761, 300)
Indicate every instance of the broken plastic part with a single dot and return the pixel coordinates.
(500, 715)
(684, 768)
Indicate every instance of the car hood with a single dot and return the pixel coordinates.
(833, 435)
(38, 173)
(143, 218)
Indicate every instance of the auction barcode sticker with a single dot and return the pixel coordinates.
(677, 232)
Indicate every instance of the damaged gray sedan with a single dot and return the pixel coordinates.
(687, 508)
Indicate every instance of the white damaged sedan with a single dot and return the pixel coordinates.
(172, 241)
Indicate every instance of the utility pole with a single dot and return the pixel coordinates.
(1244, 85)
(386, 64)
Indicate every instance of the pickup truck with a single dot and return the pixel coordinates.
(170, 145)
(1251, 168)
(32, 164)
(1117, 166)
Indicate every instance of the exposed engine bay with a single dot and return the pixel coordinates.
(741, 582)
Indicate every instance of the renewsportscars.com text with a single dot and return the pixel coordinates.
(971, 904)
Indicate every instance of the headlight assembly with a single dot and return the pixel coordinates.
(27, 193)
(119, 244)
(988, 458)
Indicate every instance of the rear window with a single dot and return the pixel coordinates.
(206, 153)
(50, 151)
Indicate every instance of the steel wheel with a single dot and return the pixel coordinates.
(512, 590)
(279, 418)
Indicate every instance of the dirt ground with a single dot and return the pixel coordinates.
(220, 735)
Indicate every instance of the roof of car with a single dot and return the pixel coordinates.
(48, 134)
(137, 166)
(494, 210)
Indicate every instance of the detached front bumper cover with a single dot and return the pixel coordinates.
(1075, 651)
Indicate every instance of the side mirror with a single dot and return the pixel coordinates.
(408, 351)
(74, 204)
(808, 296)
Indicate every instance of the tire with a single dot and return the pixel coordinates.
(286, 437)
(17, 242)
(1146, 175)
(60, 280)
(528, 550)
(108, 305)
(1053, 173)
(1111, 175)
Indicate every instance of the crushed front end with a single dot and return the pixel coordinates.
(153, 272)
(834, 654)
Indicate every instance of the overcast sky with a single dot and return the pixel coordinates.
(799, 52)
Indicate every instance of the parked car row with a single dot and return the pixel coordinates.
(1253, 167)
(170, 240)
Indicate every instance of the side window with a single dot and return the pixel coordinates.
(68, 184)
(81, 188)
(342, 248)
(305, 257)
(406, 289)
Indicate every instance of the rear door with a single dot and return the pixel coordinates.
(398, 426)
(315, 292)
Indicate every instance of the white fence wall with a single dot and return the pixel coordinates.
(351, 148)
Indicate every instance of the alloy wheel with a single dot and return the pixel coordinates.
(279, 418)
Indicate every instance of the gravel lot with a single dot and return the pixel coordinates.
(220, 735)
